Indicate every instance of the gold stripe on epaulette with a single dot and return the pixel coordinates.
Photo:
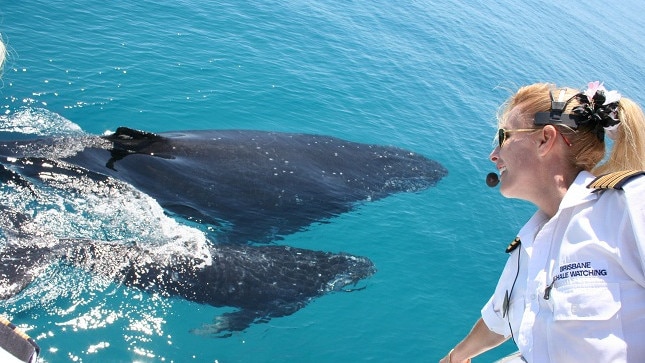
(16, 330)
(614, 180)
(514, 244)
(4, 320)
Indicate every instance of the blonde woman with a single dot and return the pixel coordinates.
(573, 289)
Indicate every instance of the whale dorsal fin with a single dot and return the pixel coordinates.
(126, 133)
(132, 140)
(127, 141)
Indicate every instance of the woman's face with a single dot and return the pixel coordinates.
(516, 158)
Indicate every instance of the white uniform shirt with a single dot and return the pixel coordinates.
(576, 284)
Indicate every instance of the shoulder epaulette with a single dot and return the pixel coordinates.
(514, 244)
(614, 180)
(17, 343)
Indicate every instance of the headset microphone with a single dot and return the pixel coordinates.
(492, 179)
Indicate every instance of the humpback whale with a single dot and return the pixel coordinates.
(250, 186)
(263, 281)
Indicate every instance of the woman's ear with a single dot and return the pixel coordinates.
(547, 139)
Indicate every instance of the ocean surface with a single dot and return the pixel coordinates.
(424, 75)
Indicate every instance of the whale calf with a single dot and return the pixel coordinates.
(252, 186)
(262, 282)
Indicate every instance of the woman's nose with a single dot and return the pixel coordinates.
(494, 155)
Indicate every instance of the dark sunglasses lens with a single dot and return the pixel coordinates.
(501, 136)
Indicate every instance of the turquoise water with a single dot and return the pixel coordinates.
(424, 75)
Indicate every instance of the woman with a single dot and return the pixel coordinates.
(573, 289)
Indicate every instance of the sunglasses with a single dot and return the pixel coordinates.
(503, 134)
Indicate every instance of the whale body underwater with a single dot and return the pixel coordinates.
(262, 282)
(249, 187)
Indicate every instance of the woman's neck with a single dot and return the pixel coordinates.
(556, 185)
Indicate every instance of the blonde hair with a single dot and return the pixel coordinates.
(628, 151)
(587, 150)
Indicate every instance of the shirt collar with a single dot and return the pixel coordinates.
(578, 192)
(531, 228)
